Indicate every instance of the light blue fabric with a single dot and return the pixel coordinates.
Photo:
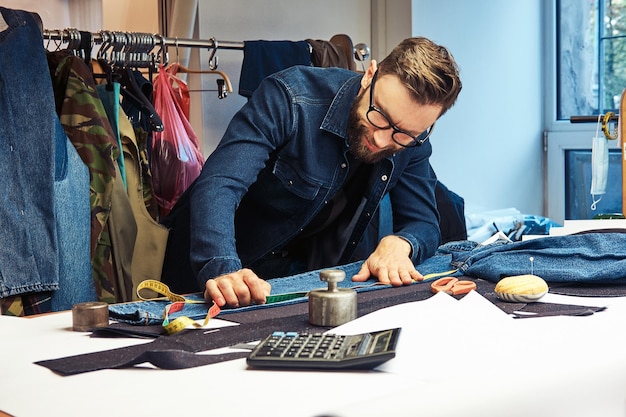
(28, 242)
(72, 215)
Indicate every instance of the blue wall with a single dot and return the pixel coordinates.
(488, 148)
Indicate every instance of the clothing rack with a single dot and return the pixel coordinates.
(135, 48)
(104, 36)
(146, 49)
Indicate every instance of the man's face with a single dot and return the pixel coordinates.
(395, 107)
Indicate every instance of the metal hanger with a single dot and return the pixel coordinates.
(224, 86)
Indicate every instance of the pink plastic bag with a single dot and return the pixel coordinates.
(181, 90)
(176, 159)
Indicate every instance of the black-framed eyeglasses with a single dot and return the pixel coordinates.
(380, 120)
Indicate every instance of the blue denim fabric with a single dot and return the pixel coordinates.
(591, 258)
(283, 156)
(71, 198)
(151, 312)
(28, 242)
(598, 258)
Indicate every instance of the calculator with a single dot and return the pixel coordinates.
(303, 350)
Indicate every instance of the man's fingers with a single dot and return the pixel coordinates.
(396, 276)
(212, 292)
(237, 289)
(416, 275)
(258, 288)
(230, 291)
(363, 274)
(405, 277)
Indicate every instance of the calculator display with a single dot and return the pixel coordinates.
(381, 341)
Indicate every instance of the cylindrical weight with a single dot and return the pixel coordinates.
(88, 315)
(332, 306)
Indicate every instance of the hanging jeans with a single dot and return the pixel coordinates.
(28, 242)
(71, 198)
(44, 216)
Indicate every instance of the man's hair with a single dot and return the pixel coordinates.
(428, 70)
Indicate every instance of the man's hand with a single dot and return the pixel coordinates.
(390, 263)
(237, 289)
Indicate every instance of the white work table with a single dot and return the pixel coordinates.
(454, 357)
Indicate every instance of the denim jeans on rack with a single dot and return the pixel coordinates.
(45, 214)
(28, 242)
(72, 215)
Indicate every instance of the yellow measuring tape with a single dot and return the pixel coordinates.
(434, 275)
(178, 303)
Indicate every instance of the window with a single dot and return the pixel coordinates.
(585, 73)
(591, 60)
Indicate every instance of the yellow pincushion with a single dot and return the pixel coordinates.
(521, 288)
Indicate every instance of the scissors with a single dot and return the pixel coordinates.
(452, 286)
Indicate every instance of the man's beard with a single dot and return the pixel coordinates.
(358, 133)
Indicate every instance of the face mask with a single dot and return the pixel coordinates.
(599, 168)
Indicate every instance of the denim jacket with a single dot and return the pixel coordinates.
(282, 158)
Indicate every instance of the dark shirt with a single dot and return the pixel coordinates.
(320, 243)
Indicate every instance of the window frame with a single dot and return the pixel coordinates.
(559, 135)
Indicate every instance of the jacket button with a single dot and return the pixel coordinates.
(289, 182)
(384, 178)
(344, 165)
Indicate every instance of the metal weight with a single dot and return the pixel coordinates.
(332, 306)
(89, 315)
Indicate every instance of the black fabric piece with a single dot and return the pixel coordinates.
(588, 289)
(176, 272)
(129, 330)
(114, 358)
(165, 351)
(161, 351)
(181, 359)
(451, 209)
(547, 310)
(86, 47)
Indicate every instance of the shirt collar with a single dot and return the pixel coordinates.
(336, 119)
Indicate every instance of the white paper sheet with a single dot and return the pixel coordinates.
(454, 358)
